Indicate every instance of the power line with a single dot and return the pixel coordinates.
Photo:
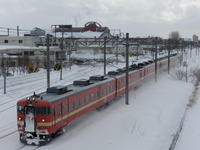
(14, 29)
(18, 31)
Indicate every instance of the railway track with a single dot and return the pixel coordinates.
(42, 85)
(28, 147)
(14, 82)
(6, 105)
(8, 134)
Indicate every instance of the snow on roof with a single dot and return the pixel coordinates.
(5, 47)
(87, 34)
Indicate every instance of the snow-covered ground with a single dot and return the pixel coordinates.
(149, 122)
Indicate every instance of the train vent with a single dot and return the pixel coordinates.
(113, 73)
(58, 89)
(141, 65)
(134, 66)
(83, 82)
(97, 78)
(121, 70)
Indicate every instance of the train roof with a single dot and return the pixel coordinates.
(56, 93)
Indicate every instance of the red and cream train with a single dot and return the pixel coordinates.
(40, 117)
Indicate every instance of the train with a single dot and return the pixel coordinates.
(42, 116)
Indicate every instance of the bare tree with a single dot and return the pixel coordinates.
(174, 40)
(174, 35)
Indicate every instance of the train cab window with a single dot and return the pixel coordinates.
(66, 108)
(71, 106)
(43, 110)
(82, 101)
(20, 109)
(59, 110)
(77, 103)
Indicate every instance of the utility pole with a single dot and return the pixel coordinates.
(127, 68)
(137, 51)
(117, 51)
(48, 68)
(8, 31)
(190, 49)
(70, 51)
(4, 73)
(156, 55)
(105, 38)
(54, 31)
(17, 30)
(61, 61)
(169, 43)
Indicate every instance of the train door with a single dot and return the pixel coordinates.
(57, 117)
(145, 72)
(54, 118)
(29, 119)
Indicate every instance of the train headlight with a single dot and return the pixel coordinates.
(43, 120)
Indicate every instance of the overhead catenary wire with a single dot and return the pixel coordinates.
(17, 31)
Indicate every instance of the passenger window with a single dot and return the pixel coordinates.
(59, 110)
(108, 89)
(101, 93)
(92, 96)
(105, 91)
(52, 111)
(77, 103)
(97, 95)
(71, 106)
(43, 110)
(82, 101)
(66, 108)
(87, 98)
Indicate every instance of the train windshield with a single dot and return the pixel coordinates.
(20, 109)
(43, 110)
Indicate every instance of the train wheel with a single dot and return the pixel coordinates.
(46, 141)
(22, 138)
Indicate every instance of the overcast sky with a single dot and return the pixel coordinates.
(137, 17)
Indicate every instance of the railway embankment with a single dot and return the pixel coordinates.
(191, 102)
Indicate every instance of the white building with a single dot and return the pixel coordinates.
(195, 38)
(18, 40)
(24, 55)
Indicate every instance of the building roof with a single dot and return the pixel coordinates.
(90, 26)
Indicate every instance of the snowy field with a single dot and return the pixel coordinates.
(149, 122)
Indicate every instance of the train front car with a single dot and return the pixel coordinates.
(34, 117)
